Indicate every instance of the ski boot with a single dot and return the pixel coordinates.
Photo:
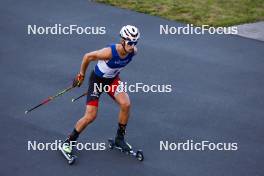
(121, 145)
(120, 141)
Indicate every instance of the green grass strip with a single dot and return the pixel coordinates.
(198, 12)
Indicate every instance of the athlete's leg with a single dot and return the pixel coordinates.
(89, 117)
(91, 108)
(122, 99)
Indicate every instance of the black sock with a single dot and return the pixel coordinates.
(121, 130)
(122, 126)
(74, 135)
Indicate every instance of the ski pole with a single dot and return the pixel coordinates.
(49, 99)
(74, 99)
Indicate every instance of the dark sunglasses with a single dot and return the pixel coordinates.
(130, 43)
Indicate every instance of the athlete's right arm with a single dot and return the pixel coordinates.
(102, 54)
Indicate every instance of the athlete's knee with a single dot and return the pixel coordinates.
(125, 105)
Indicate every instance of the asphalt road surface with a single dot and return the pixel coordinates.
(217, 95)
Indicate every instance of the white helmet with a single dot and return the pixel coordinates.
(130, 33)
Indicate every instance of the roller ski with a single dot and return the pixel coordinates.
(66, 151)
(121, 145)
(138, 154)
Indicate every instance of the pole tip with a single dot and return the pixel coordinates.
(26, 112)
(73, 100)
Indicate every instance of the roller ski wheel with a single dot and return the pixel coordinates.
(111, 143)
(68, 156)
(137, 154)
(72, 159)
